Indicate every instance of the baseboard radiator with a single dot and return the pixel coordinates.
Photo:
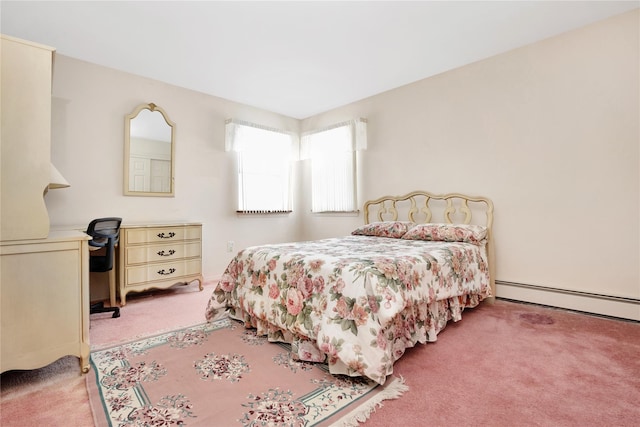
(602, 304)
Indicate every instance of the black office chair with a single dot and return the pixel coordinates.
(105, 233)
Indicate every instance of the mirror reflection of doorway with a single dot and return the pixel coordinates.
(147, 174)
(139, 174)
(160, 176)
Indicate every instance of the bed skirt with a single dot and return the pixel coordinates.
(417, 324)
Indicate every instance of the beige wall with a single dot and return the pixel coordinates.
(89, 106)
(550, 132)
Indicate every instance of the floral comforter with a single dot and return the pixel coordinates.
(355, 302)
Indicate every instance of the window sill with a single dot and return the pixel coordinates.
(262, 212)
(337, 213)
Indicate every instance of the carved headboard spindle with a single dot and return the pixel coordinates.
(393, 210)
(426, 210)
(463, 209)
(383, 210)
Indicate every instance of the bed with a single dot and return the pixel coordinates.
(357, 302)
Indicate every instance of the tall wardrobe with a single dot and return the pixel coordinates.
(44, 274)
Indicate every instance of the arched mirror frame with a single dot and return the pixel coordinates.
(127, 151)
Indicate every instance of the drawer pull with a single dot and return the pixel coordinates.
(166, 236)
(166, 273)
(168, 253)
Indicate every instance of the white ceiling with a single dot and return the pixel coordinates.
(295, 58)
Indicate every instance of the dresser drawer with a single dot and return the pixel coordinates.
(165, 271)
(135, 236)
(162, 252)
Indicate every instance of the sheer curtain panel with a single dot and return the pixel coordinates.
(332, 151)
(263, 166)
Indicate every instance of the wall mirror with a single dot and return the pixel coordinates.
(149, 152)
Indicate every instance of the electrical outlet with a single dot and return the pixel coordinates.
(230, 245)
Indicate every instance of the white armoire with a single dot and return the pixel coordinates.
(44, 276)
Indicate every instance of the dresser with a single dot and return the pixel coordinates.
(158, 256)
(45, 300)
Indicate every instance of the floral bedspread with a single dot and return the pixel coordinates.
(355, 302)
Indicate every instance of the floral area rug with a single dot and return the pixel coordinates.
(221, 374)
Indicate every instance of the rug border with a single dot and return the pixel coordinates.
(101, 347)
(92, 382)
(392, 390)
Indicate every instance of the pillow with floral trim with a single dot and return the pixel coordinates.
(393, 229)
(468, 233)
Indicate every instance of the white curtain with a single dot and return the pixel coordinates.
(264, 164)
(332, 151)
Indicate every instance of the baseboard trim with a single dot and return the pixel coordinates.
(588, 302)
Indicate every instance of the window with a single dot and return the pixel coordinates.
(333, 165)
(263, 170)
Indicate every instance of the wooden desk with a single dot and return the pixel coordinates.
(44, 300)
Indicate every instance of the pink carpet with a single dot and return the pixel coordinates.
(152, 312)
(522, 365)
(503, 365)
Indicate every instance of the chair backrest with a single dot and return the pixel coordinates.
(105, 233)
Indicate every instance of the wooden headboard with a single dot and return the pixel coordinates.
(424, 207)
